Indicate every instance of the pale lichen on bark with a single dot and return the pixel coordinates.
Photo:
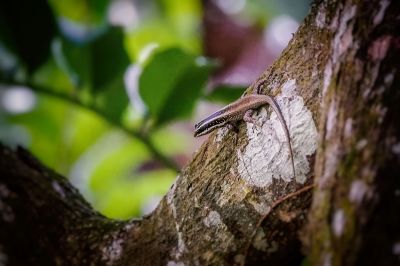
(221, 132)
(112, 251)
(266, 156)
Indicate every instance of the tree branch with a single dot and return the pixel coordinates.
(167, 162)
(339, 74)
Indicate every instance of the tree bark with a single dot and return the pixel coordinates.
(354, 216)
(237, 202)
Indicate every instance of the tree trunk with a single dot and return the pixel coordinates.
(237, 201)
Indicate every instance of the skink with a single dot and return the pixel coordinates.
(242, 109)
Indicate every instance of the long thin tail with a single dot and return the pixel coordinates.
(271, 101)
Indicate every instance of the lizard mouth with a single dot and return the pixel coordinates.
(197, 133)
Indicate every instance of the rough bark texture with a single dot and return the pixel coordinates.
(237, 201)
(354, 219)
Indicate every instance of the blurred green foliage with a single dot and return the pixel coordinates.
(86, 122)
(81, 123)
(225, 94)
(171, 92)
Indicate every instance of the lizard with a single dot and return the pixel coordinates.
(242, 109)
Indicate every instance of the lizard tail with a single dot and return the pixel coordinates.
(271, 101)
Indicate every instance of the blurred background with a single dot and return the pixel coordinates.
(107, 92)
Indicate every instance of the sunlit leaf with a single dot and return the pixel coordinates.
(83, 11)
(126, 198)
(84, 130)
(176, 25)
(45, 129)
(51, 76)
(155, 33)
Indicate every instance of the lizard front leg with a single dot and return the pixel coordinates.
(233, 126)
(259, 85)
(248, 117)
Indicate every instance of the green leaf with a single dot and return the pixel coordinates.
(45, 130)
(96, 65)
(182, 98)
(109, 59)
(171, 83)
(74, 60)
(113, 100)
(225, 94)
(82, 11)
(97, 70)
(27, 28)
(157, 33)
(51, 76)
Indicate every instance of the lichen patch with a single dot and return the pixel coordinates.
(396, 249)
(348, 128)
(289, 87)
(342, 41)
(175, 263)
(112, 252)
(267, 155)
(57, 187)
(170, 198)
(331, 119)
(221, 133)
(343, 37)
(181, 243)
(327, 259)
(171, 192)
(358, 191)
(327, 77)
(331, 164)
(396, 148)
(379, 16)
(218, 231)
(379, 48)
(361, 144)
(180, 249)
(321, 17)
(338, 223)
(213, 219)
(232, 192)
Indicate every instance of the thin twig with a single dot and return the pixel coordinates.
(136, 134)
(273, 206)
